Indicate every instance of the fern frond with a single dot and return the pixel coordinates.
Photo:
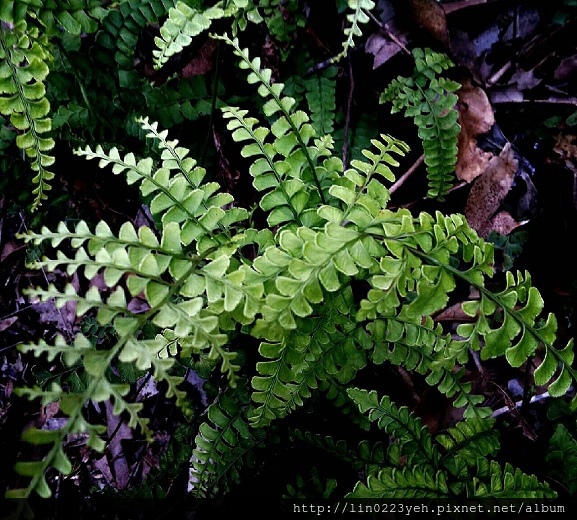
(291, 128)
(23, 56)
(495, 481)
(121, 30)
(420, 481)
(327, 346)
(467, 441)
(415, 439)
(520, 332)
(561, 457)
(184, 23)
(419, 345)
(430, 100)
(320, 95)
(224, 446)
(358, 16)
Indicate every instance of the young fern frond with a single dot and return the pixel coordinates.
(24, 54)
(358, 16)
(429, 99)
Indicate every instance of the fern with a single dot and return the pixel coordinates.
(320, 94)
(23, 56)
(332, 284)
(463, 471)
(358, 16)
(224, 446)
(429, 99)
(561, 457)
(186, 22)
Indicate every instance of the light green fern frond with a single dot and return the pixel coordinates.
(429, 99)
(520, 332)
(24, 54)
(357, 17)
(184, 23)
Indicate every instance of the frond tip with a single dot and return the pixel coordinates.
(23, 69)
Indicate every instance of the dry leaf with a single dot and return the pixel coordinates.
(489, 190)
(381, 48)
(7, 323)
(430, 15)
(475, 117)
(202, 62)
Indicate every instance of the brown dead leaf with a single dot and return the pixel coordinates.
(381, 48)
(202, 62)
(454, 313)
(476, 117)
(431, 16)
(7, 323)
(489, 190)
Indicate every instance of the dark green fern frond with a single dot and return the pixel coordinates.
(507, 482)
(416, 441)
(466, 442)
(561, 458)
(121, 30)
(320, 94)
(224, 446)
(419, 345)
(420, 481)
(429, 99)
(463, 471)
(23, 68)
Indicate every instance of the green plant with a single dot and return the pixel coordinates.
(429, 99)
(454, 464)
(332, 284)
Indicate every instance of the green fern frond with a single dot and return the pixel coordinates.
(468, 440)
(415, 439)
(358, 16)
(23, 56)
(184, 23)
(320, 95)
(307, 184)
(418, 344)
(497, 482)
(326, 346)
(430, 100)
(224, 446)
(420, 481)
(520, 332)
(561, 458)
(121, 30)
